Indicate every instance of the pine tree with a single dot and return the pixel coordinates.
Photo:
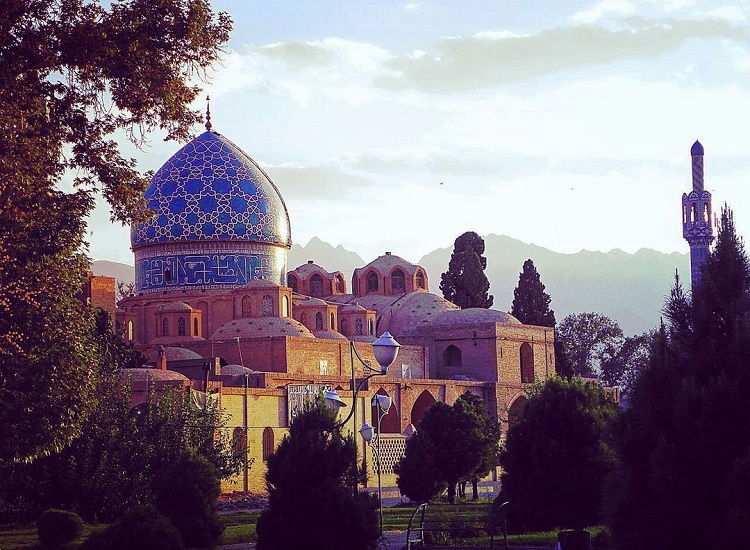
(530, 301)
(684, 443)
(465, 283)
(309, 479)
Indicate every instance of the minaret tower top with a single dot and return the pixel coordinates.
(697, 224)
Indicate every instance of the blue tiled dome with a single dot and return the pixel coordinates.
(210, 190)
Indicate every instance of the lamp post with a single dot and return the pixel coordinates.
(383, 405)
(385, 350)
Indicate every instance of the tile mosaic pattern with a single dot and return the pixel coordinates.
(211, 190)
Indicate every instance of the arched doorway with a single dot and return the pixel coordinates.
(516, 410)
(423, 402)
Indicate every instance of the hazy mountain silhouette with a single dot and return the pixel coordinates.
(629, 288)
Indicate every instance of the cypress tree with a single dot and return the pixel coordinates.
(530, 301)
(465, 283)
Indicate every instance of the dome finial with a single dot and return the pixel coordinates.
(208, 113)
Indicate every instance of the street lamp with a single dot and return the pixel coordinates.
(383, 405)
(385, 350)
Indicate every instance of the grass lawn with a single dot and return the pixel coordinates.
(239, 527)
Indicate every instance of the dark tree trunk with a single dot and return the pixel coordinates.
(451, 493)
(474, 489)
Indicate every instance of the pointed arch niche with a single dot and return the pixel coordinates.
(423, 402)
(390, 423)
(527, 363)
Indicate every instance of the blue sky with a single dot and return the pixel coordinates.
(399, 125)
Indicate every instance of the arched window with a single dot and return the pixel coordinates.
(358, 326)
(372, 329)
(285, 306)
(195, 326)
(239, 443)
(316, 286)
(165, 327)
(247, 306)
(451, 361)
(372, 282)
(344, 330)
(420, 279)
(130, 331)
(333, 322)
(267, 442)
(397, 281)
(118, 327)
(167, 275)
(319, 321)
(181, 326)
(339, 284)
(292, 280)
(303, 319)
(527, 363)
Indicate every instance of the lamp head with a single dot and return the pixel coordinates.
(383, 402)
(366, 432)
(333, 400)
(385, 349)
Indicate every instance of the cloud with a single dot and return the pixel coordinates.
(411, 6)
(604, 8)
(488, 59)
(322, 181)
(298, 53)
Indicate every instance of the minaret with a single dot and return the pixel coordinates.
(697, 225)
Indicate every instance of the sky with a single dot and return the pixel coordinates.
(397, 126)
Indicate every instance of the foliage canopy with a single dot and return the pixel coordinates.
(74, 75)
(556, 456)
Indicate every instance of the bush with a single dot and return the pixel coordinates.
(186, 495)
(57, 527)
(142, 527)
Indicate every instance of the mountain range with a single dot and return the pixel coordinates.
(629, 288)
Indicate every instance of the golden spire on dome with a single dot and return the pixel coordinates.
(208, 113)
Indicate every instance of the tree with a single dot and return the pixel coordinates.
(556, 456)
(488, 432)
(461, 442)
(124, 451)
(186, 495)
(310, 478)
(684, 441)
(465, 283)
(588, 340)
(530, 301)
(622, 368)
(74, 74)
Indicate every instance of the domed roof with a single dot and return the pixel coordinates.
(310, 302)
(352, 308)
(697, 149)
(174, 306)
(386, 263)
(231, 370)
(407, 315)
(475, 315)
(173, 353)
(211, 190)
(144, 375)
(329, 335)
(249, 327)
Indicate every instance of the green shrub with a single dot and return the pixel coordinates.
(141, 527)
(57, 527)
(186, 495)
